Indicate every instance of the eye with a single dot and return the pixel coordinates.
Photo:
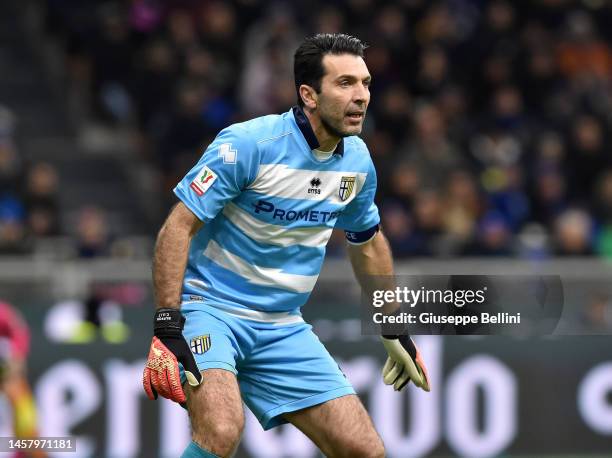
(345, 83)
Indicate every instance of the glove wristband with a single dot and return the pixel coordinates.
(393, 331)
(168, 322)
(405, 341)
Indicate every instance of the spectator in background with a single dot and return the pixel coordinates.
(112, 64)
(583, 54)
(589, 156)
(329, 19)
(266, 84)
(393, 113)
(603, 198)
(218, 28)
(41, 200)
(548, 193)
(430, 151)
(433, 72)
(541, 77)
(400, 231)
(404, 183)
(429, 222)
(187, 132)
(493, 237)
(533, 242)
(13, 229)
(93, 234)
(453, 104)
(549, 198)
(153, 83)
(506, 194)
(573, 233)
(462, 209)
(216, 110)
(145, 16)
(181, 31)
(94, 239)
(10, 165)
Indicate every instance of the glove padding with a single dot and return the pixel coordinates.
(168, 348)
(404, 363)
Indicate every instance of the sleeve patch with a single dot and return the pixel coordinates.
(228, 154)
(203, 181)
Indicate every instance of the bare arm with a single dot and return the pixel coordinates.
(170, 258)
(373, 265)
(371, 258)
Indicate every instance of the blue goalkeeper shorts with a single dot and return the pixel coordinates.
(281, 365)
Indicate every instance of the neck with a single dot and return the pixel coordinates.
(327, 140)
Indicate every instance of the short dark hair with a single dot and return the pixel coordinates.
(308, 59)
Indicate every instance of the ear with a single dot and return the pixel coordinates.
(309, 96)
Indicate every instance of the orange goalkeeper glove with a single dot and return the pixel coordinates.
(161, 373)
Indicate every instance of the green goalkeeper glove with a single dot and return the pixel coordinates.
(404, 363)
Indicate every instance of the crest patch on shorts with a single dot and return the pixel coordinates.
(200, 345)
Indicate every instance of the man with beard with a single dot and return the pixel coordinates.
(240, 253)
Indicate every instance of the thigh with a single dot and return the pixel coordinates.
(289, 370)
(340, 427)
(215, 406)
(216, 412)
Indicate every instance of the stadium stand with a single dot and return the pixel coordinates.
(489, 122)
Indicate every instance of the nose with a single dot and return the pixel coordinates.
(361, 95)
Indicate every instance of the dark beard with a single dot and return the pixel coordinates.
(332, 130)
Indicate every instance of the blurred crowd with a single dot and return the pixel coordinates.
(28, 194)
(30, 207)
(489, 122)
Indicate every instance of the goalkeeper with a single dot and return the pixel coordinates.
(240, 253)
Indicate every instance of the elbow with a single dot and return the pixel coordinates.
(181, 222)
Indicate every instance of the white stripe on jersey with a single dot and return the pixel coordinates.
(257, 275)
(278, 180)
(276, 318)
(273, 234)
(197, 283)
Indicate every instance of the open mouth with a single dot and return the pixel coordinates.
(356, 116)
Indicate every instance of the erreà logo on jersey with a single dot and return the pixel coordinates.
(315, 186)
(203, 181)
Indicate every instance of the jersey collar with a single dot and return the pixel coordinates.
(304, 124)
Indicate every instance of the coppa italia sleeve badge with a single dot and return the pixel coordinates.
(203, 181)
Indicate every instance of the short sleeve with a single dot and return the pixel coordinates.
(227, 166)
(361, 213)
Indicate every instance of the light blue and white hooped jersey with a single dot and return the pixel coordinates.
(269, 207)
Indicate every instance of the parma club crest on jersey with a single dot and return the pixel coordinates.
(203, 181)
(200, 345)
(347, 184)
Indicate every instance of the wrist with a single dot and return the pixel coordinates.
(168, 322)
(393, 327)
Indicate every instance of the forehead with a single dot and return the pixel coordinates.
(336, 65)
